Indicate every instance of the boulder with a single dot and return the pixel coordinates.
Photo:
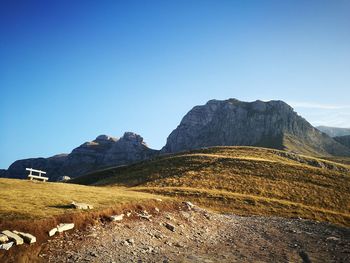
(81, 206)
(64, 227)
(28, 238)
(117, 217)
(3, 238)
(53, 231)
(14, 237)
(6, 246)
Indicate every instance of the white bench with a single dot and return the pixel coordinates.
(38, 176)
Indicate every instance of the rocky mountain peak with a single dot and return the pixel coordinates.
(272, 124)
(104, 151)
(105, 138)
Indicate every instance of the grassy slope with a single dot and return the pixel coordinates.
(245, 180)
(24, 199)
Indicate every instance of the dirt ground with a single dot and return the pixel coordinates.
(201, 236)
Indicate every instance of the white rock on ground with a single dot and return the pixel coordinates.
(64, 227)
(189, 205)
(117, 217)
(6, 246)
(3, 238)
(82, 206)
(14, 237)
(53, 231)
(28, 238)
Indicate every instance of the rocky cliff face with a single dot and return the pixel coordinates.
(104, 151)
(272, 124)
(344, 140)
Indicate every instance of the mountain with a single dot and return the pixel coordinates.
(334, 131)
(272, 124)
(104, 151)
(344, 140)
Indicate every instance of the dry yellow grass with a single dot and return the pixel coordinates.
(24, 199)
(244, 180)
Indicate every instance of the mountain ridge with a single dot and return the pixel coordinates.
(334, 131)
(272, 124)
(90, 156)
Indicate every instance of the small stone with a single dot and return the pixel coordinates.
(189, 205)
(158, 199)
(117, 217)
(156, 209)
(3, 238)
(179, 245)
(207, 216)
(333, 238)
(128, 214)
(81, 206)
(131, 241)
(6, 246)
(170, 227)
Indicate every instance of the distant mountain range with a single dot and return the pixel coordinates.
(272, 124)
(334, 131)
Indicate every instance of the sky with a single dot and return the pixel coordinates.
(72, 70)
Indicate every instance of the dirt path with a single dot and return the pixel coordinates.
(200, 236)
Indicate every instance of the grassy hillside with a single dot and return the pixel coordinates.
(245, 180)
(24, 199)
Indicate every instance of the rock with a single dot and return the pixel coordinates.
(130, 241)
(3, 238)
(145, 215)
(53, 231)
(189, 205)
(117, 217)
(333, 238)
(81, 206)
(158, 199)
(6, 246)
(64, 227)
(14, 237)
(128, 214)
(28, 238)
(63, 178)
(272, 124)
(170, 227)
(156, 209)
(207, 216)
(180, 245)
(93, 254)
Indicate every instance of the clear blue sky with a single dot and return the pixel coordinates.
(71, 70)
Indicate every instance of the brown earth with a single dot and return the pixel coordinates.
(201, 236)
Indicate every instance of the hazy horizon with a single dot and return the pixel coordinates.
(70, 71)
